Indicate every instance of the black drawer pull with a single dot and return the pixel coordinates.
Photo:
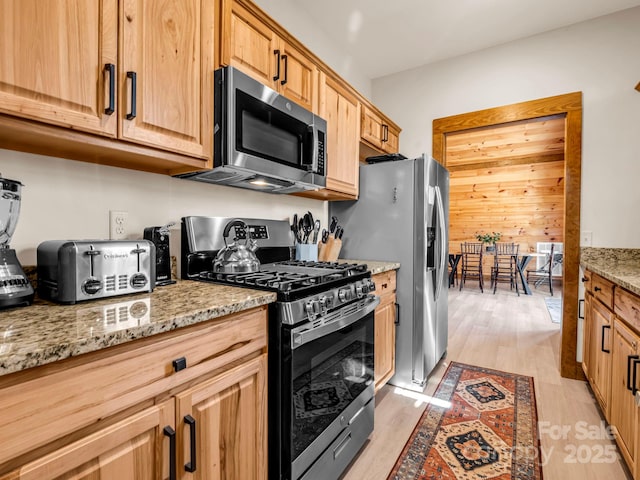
(191, 465)
(179, 364)
(277, 54)
(596, 289)
(171, 433)
(397, 320)
(285, 58)
(634, 390)
(134, 86)
(629, 359)
(110, 68)
(584, 279)
(602, 342)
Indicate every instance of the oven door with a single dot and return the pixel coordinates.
(328, 382)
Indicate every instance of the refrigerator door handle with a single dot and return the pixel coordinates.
(443, 245)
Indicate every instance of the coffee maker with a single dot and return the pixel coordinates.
(15, 288)
(160, 238)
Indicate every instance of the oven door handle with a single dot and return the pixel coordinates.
(302, 335)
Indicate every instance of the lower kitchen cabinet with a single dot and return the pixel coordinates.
(225, 415)
(191, 399)
(602, 321)
(623, 415)
(384, 364)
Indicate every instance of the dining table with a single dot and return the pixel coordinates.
(454, 260)
(522, 262)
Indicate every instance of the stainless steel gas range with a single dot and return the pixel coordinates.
(321, 335)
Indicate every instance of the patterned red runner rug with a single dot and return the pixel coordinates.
(482, 425)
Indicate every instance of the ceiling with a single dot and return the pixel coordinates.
(384, 37)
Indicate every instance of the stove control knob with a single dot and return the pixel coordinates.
(308, 307)
(360, 290)
(344, 294)
(316, 307)
(91, 286)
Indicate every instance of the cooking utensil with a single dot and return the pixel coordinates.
(237, 258)
(316, 229)
(333, 224)
(294, 226)
(300, 229)
(308, 226)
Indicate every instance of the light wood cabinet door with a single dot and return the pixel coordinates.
(227, 415)
(587, 351)
(341, 110)
(136, 448)
(385, 340)
(601, 359)
(166, 74)
(390, 139)
(52, 62)
(298, 78)
(248, 44)
(624, 412)
(371, 127)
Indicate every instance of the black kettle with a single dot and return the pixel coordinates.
(237, 258)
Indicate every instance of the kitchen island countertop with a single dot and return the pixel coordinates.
(375, 266)
(619, 265)
(46, 332)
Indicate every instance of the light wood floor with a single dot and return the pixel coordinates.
(515, 334)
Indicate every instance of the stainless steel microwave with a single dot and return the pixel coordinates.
(262, 140)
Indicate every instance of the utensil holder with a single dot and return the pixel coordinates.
(307, 252)
(330, 251)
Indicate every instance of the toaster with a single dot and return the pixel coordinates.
(71, 271)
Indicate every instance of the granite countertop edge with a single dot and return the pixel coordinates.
(375, 266)
(34, 337)
(621, 266)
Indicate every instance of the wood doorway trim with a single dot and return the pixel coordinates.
(569, 105)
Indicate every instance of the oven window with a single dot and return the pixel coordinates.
(266, 132)
(327, 375)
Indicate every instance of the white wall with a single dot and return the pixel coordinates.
(599, 57)
(65, 199)
(300, 24)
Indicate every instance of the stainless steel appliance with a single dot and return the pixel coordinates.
(15, 288)
(262, 140)
(321, 389)
(72, 271)
(403, 215)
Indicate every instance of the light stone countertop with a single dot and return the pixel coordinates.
(46, 332)
(619, 265)
(375, 266)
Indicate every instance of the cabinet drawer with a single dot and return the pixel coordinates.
(627, 307)
(40, 405)
(385, 282)
(602, 289)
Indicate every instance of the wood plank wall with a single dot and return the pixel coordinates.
(507, 179)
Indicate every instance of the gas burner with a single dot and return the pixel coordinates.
(292, 277)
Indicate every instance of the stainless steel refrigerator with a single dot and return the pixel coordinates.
(402, 215)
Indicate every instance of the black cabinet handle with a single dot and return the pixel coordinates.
(596, 289)
(277, 54)
(629, 359)
(581, 309)
(397, 320)
(584, 279)
(110, 68)
(134, 85)
(602, 342)
(634, 390)
(385, 133)
(179, 364)
(171, 433)
(285, 59)
(191, 465)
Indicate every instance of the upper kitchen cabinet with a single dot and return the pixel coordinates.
(340, 107)
(127, 83)
(378, 132)
(58, 62)
(250, 42)
(166, 74)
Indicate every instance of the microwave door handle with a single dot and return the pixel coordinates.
(311, 167)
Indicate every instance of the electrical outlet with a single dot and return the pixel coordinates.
(117, 225)
(585, 239)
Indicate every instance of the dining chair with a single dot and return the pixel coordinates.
(545, 274)
(505, 266)
(471, 263)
